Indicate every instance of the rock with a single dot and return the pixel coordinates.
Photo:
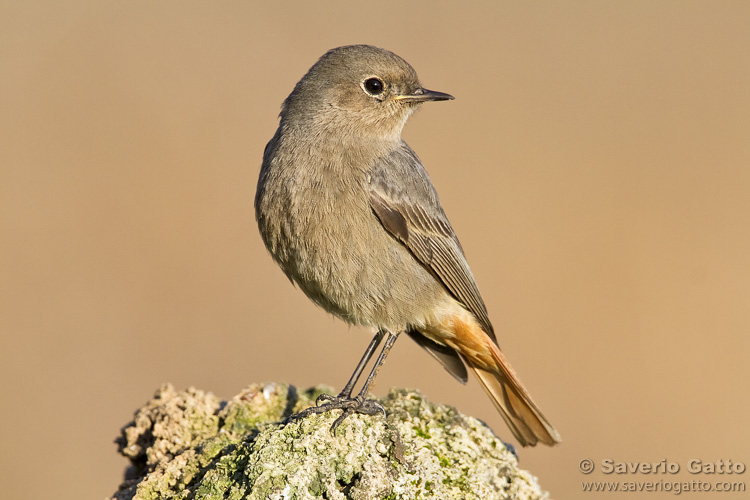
(191, 445)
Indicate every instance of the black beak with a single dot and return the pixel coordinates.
(422, 95)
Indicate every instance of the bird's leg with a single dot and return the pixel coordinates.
(364, 405)
(346, 392)
(359, 403)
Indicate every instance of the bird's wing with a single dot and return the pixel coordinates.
(406, 203)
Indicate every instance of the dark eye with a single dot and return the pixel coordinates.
(374, 86)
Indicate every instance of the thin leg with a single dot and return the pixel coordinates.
(344, 401)
(368, 406)
(379, 362)
(374, 343)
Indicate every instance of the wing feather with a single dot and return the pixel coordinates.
(405, 202)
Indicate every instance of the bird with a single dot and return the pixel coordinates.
(347, 210)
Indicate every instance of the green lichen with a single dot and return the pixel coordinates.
(238, 450)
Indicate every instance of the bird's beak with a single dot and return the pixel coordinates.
(422, 95)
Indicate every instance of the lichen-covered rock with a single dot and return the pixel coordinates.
(190, 445)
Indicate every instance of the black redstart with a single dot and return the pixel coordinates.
(348, 212)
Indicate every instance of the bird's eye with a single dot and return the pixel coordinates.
(374, 86)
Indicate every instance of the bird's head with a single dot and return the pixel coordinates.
(358, 91)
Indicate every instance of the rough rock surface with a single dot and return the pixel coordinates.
(191, 445)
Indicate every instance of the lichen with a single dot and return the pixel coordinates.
(189, 445)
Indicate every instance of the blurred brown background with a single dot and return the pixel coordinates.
(595, 164)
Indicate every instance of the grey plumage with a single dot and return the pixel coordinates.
(405, 201)
(313, 203)
(348, 212)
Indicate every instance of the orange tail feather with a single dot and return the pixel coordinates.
(460, 331)
(514, 402)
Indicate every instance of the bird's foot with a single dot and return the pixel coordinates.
(349, 406)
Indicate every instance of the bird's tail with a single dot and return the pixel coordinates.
(514, 402)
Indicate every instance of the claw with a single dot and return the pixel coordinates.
(370, 407)
(324, 397)
(344, 414)
(348, 405)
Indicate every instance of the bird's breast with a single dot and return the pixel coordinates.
(319, 227)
